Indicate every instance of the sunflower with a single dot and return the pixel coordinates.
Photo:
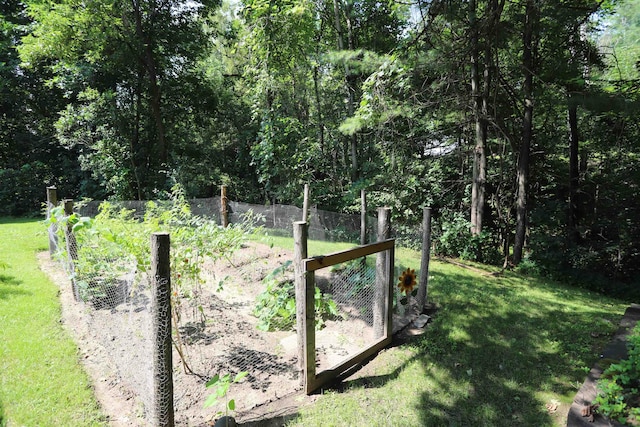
(407, 281)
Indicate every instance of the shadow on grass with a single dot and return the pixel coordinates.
(499, 349)
(508, 342)
(3, 421)
(9, 287)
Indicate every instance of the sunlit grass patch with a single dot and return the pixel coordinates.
(41, 380)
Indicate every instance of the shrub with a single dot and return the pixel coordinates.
(454, 239)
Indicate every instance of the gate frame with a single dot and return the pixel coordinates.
(383, 313)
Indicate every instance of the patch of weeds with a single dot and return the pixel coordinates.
(618, 397)
(276, 306)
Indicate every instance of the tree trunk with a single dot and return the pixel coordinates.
(574, 174)
(155, 93)
(480, 102)
(318, 100)
(527, 134)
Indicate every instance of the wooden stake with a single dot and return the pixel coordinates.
(162, 412)
(305, 204)
(52, 202)
(299, 254)
(424, 260)
(363, 217)
(381, 287)
(224, 218)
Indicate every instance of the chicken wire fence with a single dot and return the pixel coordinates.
(350, 329)
(323, 225)
(218, 326)
(113, 312)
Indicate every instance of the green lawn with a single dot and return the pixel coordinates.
(503, 350)
(41, 381)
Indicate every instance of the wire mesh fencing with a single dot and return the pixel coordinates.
(323, 225)
(216, 330)
(112, 310)
(349, 328)
(233, 302)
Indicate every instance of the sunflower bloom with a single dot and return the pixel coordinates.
(407, 281)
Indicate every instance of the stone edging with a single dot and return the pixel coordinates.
(616, 350)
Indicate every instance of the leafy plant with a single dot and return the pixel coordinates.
(220, 385)
(619, 385)
(454, 239)
(276, 306)
(116, 243)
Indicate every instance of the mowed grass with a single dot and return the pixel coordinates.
(502, 350)
(41, 380)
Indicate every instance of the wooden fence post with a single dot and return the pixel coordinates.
(299, 254)
(424, 260)
(162, 411)
(224, 215)
(305, 205)
(52, 202)
(72, 247)
(382, 282)
(72, 244)
(363, 217)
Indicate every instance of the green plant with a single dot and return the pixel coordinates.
(454, 239)
(276, 306)
(220, 385)
(619, 385)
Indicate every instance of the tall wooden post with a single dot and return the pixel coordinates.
(381, 288)
(424, 260)
(72, 247)
(305, 204)
(162, 411)
(299, 254)
(224, 215)
(363, 217)
(52, 202)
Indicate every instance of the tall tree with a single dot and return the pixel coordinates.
(117, 66)
(528, 68)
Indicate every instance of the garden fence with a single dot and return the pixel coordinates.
(215, 331)
(323, 225)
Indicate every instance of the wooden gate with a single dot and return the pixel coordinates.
(379, 322)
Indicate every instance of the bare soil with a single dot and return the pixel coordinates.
(219, 338)
(218, 335)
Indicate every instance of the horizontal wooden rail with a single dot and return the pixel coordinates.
(318, 262)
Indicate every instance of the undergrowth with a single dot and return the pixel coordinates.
(618, 397)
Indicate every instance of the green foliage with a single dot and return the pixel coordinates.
(276, 305)
(115, 243)
(220, 385)
(454, 239)
(619, 385)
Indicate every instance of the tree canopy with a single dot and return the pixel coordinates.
(517, 122)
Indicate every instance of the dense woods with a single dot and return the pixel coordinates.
(516, 121)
